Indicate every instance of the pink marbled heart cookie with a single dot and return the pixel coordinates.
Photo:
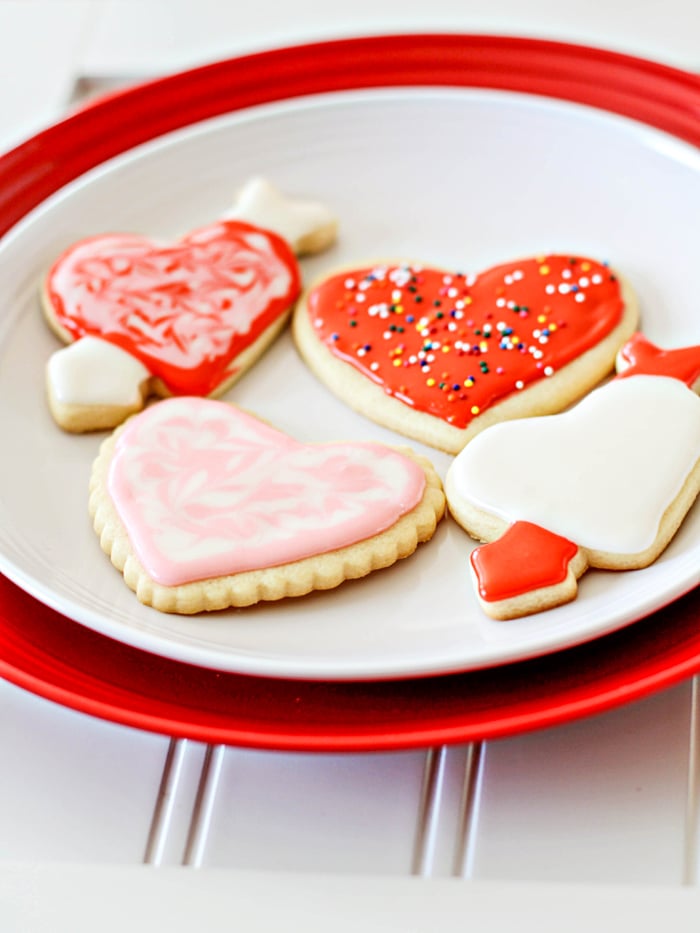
(203, 506)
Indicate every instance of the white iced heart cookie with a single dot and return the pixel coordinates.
(187, 317)
(203, 506)
(605, 484)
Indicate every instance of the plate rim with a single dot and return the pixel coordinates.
(369, 716)
(657, 95)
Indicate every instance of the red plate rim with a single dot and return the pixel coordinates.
(60, 660)
(655, 94)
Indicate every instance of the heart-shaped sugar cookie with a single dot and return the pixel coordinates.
(605, 484)
(204, 506)
(186, 310)
(601, 474)
(440, 355)
(183, 318)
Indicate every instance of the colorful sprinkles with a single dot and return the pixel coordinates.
(452, 344)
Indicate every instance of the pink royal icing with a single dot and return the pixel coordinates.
(205, 490)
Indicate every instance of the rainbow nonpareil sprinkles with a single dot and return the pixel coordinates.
(452, 344)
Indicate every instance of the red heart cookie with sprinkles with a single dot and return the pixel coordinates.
(439, 355)
(187, 310)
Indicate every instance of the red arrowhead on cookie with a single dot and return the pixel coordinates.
(439, 355)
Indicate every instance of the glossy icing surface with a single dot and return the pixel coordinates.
(205, 490)
(524, 559)
(452, 345)
(262, 205)
(601, 475)
(93, 371)
(184, 310)
(641, 356)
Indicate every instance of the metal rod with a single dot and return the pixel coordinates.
(163, 812)
(469, 810)
(428, 812)
(692, 808)
(204, 806)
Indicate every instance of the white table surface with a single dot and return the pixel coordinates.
(588, 822)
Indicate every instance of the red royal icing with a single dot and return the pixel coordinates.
(641, 357)
(452, 345)
(187, 309)
(526, 558)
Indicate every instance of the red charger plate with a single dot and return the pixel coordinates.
(54, 657)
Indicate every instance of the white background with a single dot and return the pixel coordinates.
(585, 823)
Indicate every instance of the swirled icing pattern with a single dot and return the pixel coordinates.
(185, 310)
(205, 490)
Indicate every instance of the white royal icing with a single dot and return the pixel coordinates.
(261, 204)
(601, 474)
(92, 371)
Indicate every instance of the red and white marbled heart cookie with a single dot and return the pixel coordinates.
(440, 355)
(181, 318)
(186, 310)
(202, 506)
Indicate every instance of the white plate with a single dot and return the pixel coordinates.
(459, 178)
